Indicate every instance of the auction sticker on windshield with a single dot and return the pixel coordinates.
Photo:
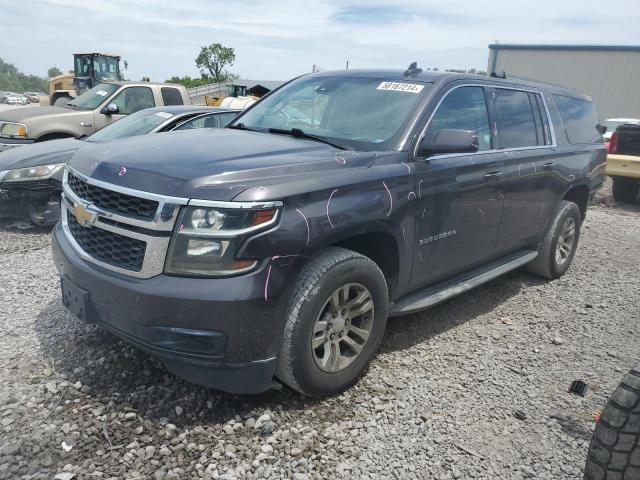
(401, 87)
(164, 115)
(102, 93)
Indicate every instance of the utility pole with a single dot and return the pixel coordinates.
(347, 65)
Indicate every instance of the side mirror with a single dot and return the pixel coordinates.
(450, 140)
(602, 129)
(110, 109)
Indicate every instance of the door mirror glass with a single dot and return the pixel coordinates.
(450, 140)
(111, 109)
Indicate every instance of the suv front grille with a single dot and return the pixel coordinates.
(108, 247)
(115, 202)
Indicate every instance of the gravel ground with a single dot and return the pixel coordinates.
(474, 388)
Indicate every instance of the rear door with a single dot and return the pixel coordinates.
(458, 194)
(523, 135)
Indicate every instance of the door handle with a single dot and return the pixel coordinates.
(492, 176)
(549, 165)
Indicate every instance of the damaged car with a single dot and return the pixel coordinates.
(31, 177)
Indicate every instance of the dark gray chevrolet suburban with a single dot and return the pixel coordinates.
(277, 247)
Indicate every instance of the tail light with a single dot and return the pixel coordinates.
(613, 144)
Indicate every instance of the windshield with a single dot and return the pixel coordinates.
(360, 112)
(139, 123)
(94, 97)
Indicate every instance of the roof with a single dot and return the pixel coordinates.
(570, 47)
(269, 84)
(429, 76)
(99, 53)
(141, 83)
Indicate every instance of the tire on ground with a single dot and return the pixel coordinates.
(614, 451)
(625, 189)
(545, 264)
(320, 277)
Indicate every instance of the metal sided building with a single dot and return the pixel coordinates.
(609, 74)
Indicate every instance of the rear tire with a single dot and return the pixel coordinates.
(614, 452)
(340, 298)
(625, 189)
(559, 244)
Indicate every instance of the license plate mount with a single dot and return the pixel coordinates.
(75, 299)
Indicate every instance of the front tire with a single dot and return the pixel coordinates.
(335, 323)
(559, 244)
(625, 189)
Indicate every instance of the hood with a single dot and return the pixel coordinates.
(42, 153)
(212, 164)
(24, 114)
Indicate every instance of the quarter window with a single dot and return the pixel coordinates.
(171, 96)
(132, 99)
(464, 108)
(580, 120)
(515, 121)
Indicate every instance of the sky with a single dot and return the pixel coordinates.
(277, 40)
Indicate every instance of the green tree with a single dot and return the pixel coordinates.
(189, 82)
(213, 60)
(54, 72)
(13, 80)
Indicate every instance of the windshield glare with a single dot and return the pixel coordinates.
(361, 112)
(139, 123)
(94, 97)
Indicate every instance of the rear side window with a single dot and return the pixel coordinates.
(171, 96)
(580, 120)
(515, 120)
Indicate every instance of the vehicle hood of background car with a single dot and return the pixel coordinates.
(43, 153)
(214, 164)
(22, 115)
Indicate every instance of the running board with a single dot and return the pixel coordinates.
(433, 295)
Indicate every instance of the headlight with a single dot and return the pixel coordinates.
(13, 130)
(206, 240)
(40, 172)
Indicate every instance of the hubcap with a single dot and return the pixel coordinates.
(342, 327)
(565, 240)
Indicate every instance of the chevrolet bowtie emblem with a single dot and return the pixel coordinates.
(83, 215)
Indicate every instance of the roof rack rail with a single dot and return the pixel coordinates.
(499, 75)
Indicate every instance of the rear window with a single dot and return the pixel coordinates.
(580, 120)
(517, 126)
(171, 96)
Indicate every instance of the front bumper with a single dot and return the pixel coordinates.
(215, 332)
(623, 165)
(7, 143)
(36, 200)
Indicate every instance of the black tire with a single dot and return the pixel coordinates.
(625, 189)
(545, 264)
(323, 274)
(62, 101)
(614, 452)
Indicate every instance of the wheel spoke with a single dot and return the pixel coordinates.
(320, 326)
(336, 356)
(360, 332)
(353, 345)
(362, 308)
(361, 297)
(318, 340)
(335, 300)
(326, 358)
(345, 295)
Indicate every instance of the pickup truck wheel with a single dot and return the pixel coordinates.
(559, 244)
(614, 451)
(335, 323)
(625, 189)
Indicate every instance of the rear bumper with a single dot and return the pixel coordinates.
(215, 332)
(623, 165)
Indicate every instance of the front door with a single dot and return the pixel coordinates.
(460, 203)
(128, 100)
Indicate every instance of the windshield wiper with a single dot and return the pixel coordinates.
(241, 126)
(297, 133)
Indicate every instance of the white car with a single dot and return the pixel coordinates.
(17, 99)
(613, 123)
